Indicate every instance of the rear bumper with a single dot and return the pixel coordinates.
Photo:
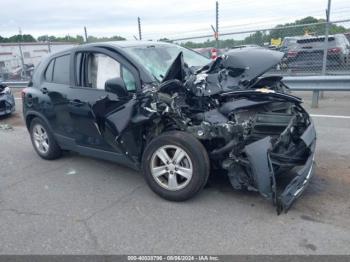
(265, 180)
(310, 62)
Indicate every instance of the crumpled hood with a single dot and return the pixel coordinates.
(254, 61)
(236, 70)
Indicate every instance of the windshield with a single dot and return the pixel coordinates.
(158, 58)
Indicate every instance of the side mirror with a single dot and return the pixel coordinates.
(116, 86)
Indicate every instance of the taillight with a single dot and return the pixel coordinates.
(23, 93)
(334, 50)
(292, 53)
(214, 53)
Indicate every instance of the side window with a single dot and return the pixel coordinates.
(78, 69)
(49, 71)
(100, 68)
(129, 79)
(61, 70)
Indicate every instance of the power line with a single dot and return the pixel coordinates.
(263, 29)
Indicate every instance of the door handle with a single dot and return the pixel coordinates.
(77, 102)
(44, 90)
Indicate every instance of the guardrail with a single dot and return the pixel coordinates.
(316, 84)
(18, 84)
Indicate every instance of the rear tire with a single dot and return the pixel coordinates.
(43, 140)
(187, 170)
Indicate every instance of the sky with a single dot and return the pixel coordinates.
(159, 18)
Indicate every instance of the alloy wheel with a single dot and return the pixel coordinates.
(41, 139)
(171, 167)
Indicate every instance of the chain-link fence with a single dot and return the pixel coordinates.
(306, 49)
(12, 68)
(18, 60)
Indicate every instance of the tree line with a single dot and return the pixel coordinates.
(312, 27)
(46, 38)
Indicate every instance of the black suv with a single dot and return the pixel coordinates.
(176, 115)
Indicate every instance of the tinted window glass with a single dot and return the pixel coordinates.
(101, 68)
(129, 79)
(78, 69)
(61, 70)
(49, 70)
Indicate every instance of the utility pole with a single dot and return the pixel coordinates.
(216, 28)
(48, 43)
(20, 51)
(86, 35)
(325, 50)
(139, 25)
(217, 24)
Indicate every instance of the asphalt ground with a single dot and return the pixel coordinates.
(80, 205)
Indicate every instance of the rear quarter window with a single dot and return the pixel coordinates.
(49, 71)
(61, 70)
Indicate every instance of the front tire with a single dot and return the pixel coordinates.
(175, 165)
(43, 140)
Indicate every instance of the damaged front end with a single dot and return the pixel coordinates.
(250, 126)
(7, 101)
(265, 141)
(275, 155)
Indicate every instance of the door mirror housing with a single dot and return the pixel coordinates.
(116, 86)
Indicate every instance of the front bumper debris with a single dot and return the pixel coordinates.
(266, 181)
(296, 187)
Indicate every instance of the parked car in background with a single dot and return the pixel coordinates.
(210, 52)
(7, 101)
(308, 52)
(245, 46)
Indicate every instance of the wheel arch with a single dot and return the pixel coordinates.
(31, 115)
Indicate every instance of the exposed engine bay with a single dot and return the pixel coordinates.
(250, 125)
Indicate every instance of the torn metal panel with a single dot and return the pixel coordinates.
(236, 70)
(258, 156)
(297, 185)
(254, 61)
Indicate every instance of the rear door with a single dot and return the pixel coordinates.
(91, 105)
(53, 102)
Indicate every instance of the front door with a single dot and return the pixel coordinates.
(99, 115)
